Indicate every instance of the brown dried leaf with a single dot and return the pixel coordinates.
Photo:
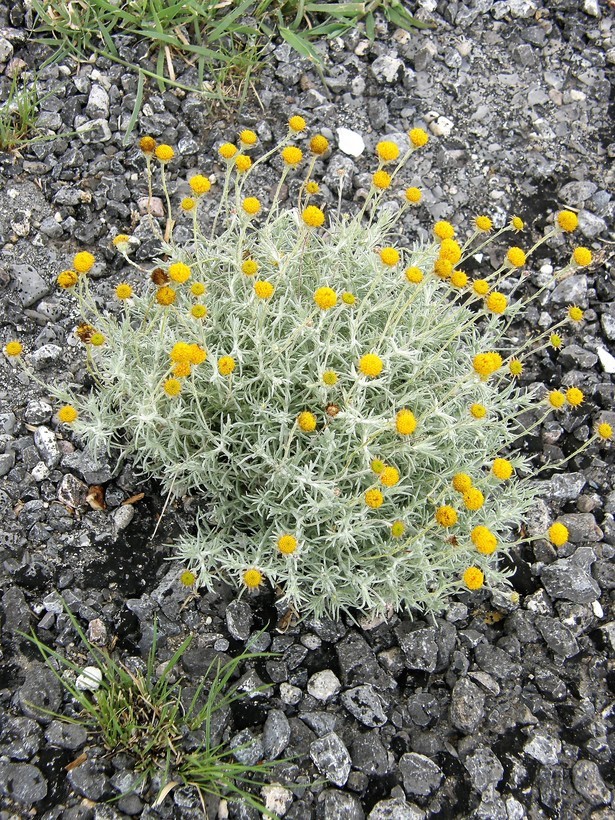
(96, 497)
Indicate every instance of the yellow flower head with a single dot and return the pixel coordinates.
(198, 311)
(172, 387)
(348, 298)
(473, 578)
(121, 242)
(325, 298)
(187, 204)
(483, 223)
(558, 534)
(329, 377)
(418, 137)
(555, 340)
(377, 465)
(147, 145)
(292, 155)
(556, 399)
(123, 291)
(297, 123)
(13, 349)
(480, 287)
(248, 137)
(574, 396)
(462, 482)
(568, 221)
(484, 540)
(165, 296)
(478, 411)
(575, 313)
(381, 180)
(387, 151)
(287, 544)
(187, 578)
(486, 363)
(405, 422)
(443, 268)
(515, 367)
(226, 365)
(516, 257)
(97, 339)
(227, 150)
(179, 272)
(313, 216)
(67, 414)
(398, 528)
(243, 163)
(370, 365)
(496, 302)
(263, 289)
(414, 275)
(459, 279)
(307, 421)
(253, 578)
(197, 354)
(473, 499)
(312, 187)
(319, 144)
(389, 476)
(67, 279)
(413, 195)
(389, 256)
(451, 250)
(180, 352)
(83, 262)
(251, 205)
(446, 516)
(164, 153)
(197, 288)
(444, 230)
(582, 257)
(605, 431)
(502, 469)
(182, 369)
(374, 499)
(199, 184)
(249, 267)
(517, 223)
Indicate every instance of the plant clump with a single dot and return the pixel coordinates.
(346, 402)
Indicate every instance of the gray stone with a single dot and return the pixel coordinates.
(98, 103)
(421, 776)
(122, 516)
(395, 808)
(72, 492)
(22, 782)
(369, 755)
(385, 69)
(608, 325)
(588, 781)
(484, 768)
(94, 131)
(341, 806)
(70, 736)
(564, 579)
(6, 50)
(419, 647)
(37, 412)
(544, 749)
(331, 758)
(247, 747)
(93, 468)
(47, 446)
(366, 705)
(40, 690)
(88, 780)
(324, 685)
(582, 527)
(7, 462)
(577, 192)
(20, 737)
(358, 663)
(563, 486)
(571, 291)
(557, 636)
(16, 612)
(239, 619)
(45, 355)
(276, 798)
(276, 734)
(574, 356)
(496, 662)
(30, 285)
(8, 423)
(467, 708)
(591, 225)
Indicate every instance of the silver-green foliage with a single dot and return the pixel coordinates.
(235, 439)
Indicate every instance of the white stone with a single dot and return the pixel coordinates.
(290, 694)
(592, 8)
(277, 799)
(606, 360)
(89, 680)
(350, 142)
(324, 685)
(598, 611)
(442, 127)
(40, 472)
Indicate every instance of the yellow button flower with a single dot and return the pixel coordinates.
(405, 422)
(558, 534)
(473, 578)
(83, 262)
(370, 365)
(164, 153)
(307, 421)
(387, 151)
(313, 216)
(325, 298)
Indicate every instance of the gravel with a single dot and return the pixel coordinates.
(502, 709)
